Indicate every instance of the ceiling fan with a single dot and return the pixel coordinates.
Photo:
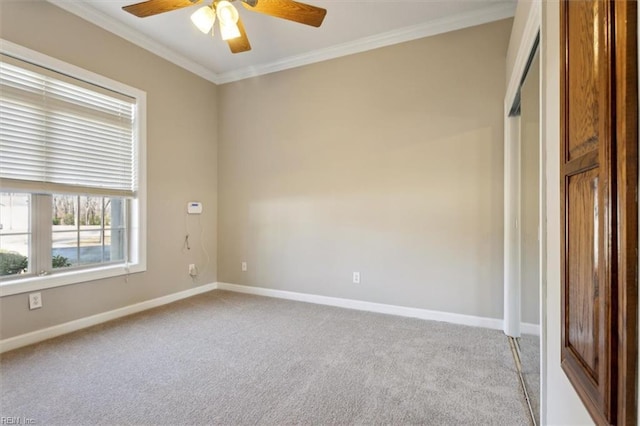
(231, 27)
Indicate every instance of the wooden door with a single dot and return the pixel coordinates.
(599, 118)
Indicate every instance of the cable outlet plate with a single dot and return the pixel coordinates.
(244, 266)
(35, 301)
(193, 271)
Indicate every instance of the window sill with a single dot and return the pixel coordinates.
(24, 285)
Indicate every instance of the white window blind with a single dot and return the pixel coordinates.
(61, 134)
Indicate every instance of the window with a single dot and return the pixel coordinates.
(15, 233)
(87, 230)
(72, 182)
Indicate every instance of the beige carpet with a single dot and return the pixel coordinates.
(233, 359)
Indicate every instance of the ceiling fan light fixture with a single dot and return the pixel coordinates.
(230, 31)
(204, 18)
(228, 18)
(227, 13)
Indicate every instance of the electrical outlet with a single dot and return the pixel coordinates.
(356, 277)
(193, 271)
(35, 301)
(244, 266)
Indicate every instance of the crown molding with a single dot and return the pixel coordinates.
(430, 28)
(116, 27)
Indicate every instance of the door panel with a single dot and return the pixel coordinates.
(587, 337)
(599, 166)
(585, 21)
(582, 264)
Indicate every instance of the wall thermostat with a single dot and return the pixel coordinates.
(194, 207)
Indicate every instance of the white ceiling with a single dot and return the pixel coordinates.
(350, 26)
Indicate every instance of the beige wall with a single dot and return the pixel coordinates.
(181, 162)
(387, 162)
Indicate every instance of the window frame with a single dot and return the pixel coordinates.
(137, 227)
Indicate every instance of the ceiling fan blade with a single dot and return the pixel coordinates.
(154, 7)
(239, 44)
(290, 10)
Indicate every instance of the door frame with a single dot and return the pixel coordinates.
(523, 42)
(512, 284)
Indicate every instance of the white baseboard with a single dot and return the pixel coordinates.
(68, 327)
(359, 305)
(526, 328)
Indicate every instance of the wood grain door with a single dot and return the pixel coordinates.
(599, 117)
